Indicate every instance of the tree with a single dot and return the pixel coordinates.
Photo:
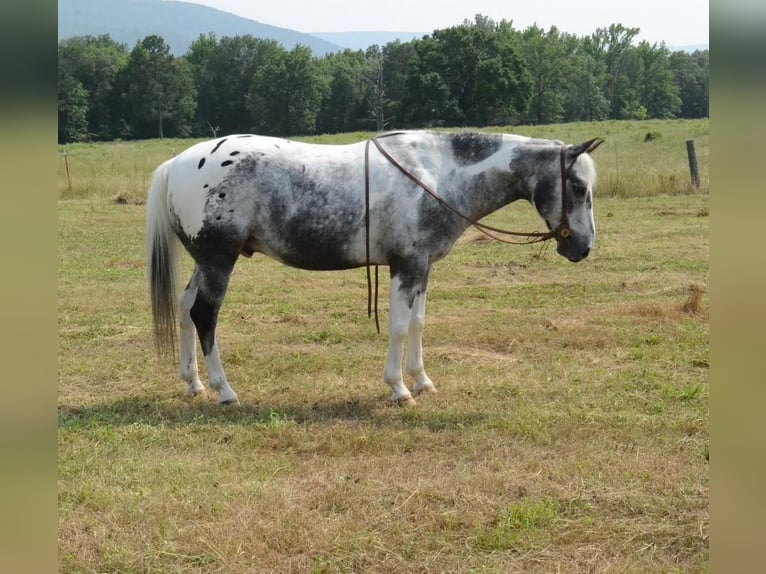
(655, 87)
(503, 82)
(377, 97)
(615, 43)
(691, 73)
(427, 96)
(286, 93)
(469, 74)
(343, 107)
(223, 73)
(395, 57)
(479, 73)
(93, 64)
(585, 99)
(157, 92)
(547, 64)
(72, 110)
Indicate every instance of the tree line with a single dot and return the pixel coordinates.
(479, 73)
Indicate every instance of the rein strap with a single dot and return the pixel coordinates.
(535, 236)
(367, 238)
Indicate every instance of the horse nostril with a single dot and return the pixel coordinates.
(586, 253)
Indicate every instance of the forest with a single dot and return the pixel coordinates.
(480, 73)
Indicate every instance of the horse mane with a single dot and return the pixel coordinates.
(588, 165)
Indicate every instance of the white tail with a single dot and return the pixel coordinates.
(162, 261)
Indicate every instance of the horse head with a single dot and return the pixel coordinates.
(567, 208)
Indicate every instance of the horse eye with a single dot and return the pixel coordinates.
(579, 189)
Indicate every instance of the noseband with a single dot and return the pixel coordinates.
(559, 233)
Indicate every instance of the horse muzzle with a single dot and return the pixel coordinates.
(572, 250)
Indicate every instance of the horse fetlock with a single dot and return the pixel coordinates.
(402, 400)
(195, 388)
(408, 402)
(425, 386)
(226, 395)
(400, 391)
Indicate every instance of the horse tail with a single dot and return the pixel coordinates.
(162, 261)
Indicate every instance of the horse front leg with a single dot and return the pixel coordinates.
(398, 320)
(415, 368)
(406, 316)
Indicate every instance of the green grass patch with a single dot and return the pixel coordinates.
(518, 524)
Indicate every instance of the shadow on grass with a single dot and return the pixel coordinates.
(161, 411)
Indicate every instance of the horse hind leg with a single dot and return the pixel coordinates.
(189, 371)
(210, 290)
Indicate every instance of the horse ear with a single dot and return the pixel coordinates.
(585, 147)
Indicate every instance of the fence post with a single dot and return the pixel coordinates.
(693, 163)
(66, 164)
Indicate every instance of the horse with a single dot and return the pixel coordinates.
(402, 203)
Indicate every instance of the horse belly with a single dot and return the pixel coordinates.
(311, 241)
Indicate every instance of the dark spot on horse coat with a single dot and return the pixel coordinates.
(217, 244)
(288, 205)
(545, 195)
(439, 226)
(227, 162)
(201, 163)
(544, 192)
(219, 144)
(470, 149)
(412, 274)
(313, 242)
(234, 153)
(204, 313)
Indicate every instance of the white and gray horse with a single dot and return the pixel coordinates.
(402, 203)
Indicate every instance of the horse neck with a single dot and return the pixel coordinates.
(491, 184)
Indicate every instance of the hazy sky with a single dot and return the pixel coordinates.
(676, 22)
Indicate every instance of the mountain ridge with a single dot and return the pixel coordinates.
(178, 23)
(361, 40)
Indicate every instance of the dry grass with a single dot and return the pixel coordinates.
(570, 432)
(693, 304)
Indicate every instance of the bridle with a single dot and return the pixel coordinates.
(559, 233)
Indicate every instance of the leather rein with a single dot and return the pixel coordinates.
(561, 231)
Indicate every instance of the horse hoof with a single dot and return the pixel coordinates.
(401, 402)
(228, 398)
(192, 394)
(424, 389)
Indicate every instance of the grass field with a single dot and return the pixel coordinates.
(569, 434)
